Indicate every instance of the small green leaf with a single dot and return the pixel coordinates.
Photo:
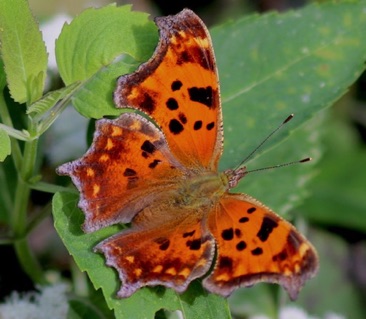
(98, 46)
(23, 51)
(5, 148)
(41, 106)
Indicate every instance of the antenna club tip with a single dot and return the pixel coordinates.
(308, 159)
(290, 117)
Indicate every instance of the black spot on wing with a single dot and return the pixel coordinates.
(268, 224)
(175, 126)
(201, 95)
(189, 234)
(225, 262)
(227, 234)
(197, 125)
(251, 210)
(194, 244)
(147, 103)
(182, 118)
(243, 220)
(154, 163)
(241, 245)
(176, 85)
(163, 243)
(148, 147)
(129, 172)
(257, 251)
(172, 104)
(210, 126)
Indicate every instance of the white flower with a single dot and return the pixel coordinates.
(293, 312)
(50, 302)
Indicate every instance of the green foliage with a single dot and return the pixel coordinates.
(23, 51)
(270, 66)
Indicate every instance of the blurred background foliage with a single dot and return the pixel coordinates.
(335, 211)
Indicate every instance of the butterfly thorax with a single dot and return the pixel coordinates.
(202, 189)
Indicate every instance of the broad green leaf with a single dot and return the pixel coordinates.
(338, 191)
(195, 303)
(111, 37)
(276, 64)
(23, 51)
(5, 148)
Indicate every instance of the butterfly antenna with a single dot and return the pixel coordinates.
(290, 117)
(304, 160)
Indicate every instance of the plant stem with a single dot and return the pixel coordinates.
(19, 216)
(5, 116)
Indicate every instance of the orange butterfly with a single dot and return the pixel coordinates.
(163, 178)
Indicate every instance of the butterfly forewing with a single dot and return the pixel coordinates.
(179, 89)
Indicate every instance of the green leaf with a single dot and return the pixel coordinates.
(338, 197)
(276, 64)
(195, 303)
(23, 51)
(95, 40)
(5, 148)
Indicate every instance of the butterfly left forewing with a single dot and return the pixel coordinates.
(254, 245)
(178, 87)
(127, 167)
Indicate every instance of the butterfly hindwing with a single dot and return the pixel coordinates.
(254, 244)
